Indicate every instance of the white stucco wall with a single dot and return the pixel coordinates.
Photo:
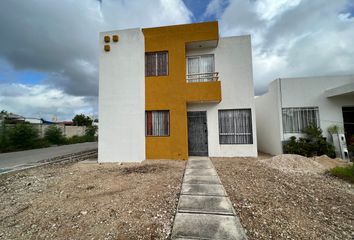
(299, 92)
(233, 61)
(122, 98)
(268, 121)
(310, 92)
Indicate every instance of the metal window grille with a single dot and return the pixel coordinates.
(156, 64)
(295, 120)
(157, 123)
(235, 126)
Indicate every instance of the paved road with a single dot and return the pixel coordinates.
(10, 160)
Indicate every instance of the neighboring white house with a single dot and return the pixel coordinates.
(293, 103)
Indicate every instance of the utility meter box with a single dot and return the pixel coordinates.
(340, 146)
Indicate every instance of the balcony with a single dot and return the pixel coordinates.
(203, 87)
(202, 77)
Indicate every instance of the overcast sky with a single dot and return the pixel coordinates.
(49, 48)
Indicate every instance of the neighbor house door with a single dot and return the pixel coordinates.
(197, 134)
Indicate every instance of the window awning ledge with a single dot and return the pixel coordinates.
(344, 90)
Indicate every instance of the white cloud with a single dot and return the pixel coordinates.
(293, 38)
(215, 8)
(42, 101)
(60, 39)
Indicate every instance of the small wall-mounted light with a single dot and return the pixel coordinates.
(107, 39)
(115, 38)
(107, 48)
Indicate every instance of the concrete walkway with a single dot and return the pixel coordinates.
(204, 211)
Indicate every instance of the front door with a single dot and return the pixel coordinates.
(197, 134)
(348, 118)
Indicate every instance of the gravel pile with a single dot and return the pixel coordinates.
(291, 163)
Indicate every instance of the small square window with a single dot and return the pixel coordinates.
(157, 123)
(156, 64)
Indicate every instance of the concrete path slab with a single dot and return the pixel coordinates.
(198, 158)
(203, 189)
(191, 179)
(196, 164)
(204, 211)
(200, 172)
(207, 226)
(205, 204)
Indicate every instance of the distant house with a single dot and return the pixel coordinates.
(173, 92)
(291, 104)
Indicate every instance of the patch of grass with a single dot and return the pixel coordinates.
(345, 173)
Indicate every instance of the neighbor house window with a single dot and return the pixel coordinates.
(157, 123)
(295, 120)
(156, 63)
(235, 126)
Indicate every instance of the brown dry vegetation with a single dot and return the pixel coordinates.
(286, 201)
(90, 201)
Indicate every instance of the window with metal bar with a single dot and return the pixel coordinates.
(157, 123)
(235, 126)
(295, 120)
(201, 68)
(156, 63)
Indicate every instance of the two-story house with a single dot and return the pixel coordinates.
(173, 92)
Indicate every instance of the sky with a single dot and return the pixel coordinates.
(49, 48)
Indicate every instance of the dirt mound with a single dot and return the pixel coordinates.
(291, 163)
(329, 163)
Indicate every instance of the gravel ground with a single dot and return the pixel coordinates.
(91, 201)
(278, 204)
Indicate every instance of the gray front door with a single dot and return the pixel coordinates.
(197, 134)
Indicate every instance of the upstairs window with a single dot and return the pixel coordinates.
(156, 64)
(201, 68)
(157, 123)
(295, 120)
(235, 126)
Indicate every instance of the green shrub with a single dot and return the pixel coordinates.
(22, 136)
(4, 138)
(75, 139)
(54, 135)
(90, 133)
(314, 144)
(41, 143)
(345, 173)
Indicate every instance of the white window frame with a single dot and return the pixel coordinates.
(297, 123)
(245, 133)
(199, 58)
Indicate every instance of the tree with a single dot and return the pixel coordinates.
(54, 135)
(82, 120)
(90, 133)
(23, 136)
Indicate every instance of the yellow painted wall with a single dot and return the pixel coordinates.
(172, 92)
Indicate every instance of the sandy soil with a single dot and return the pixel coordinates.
(288, 204)
(91, 201)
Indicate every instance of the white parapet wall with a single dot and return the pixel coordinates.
(233, 61)
(269, 126)
(122, 97)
